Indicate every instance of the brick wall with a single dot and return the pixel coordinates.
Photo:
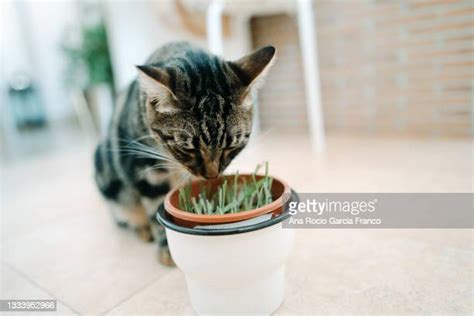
(282, 98)
(387, 67)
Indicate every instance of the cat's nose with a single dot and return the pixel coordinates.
(212, 170)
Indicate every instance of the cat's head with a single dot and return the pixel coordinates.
(200, 106)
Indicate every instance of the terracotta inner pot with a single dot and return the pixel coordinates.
(280, 191)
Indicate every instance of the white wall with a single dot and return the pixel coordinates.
(135, 31)
(41, 58)
(137, 28)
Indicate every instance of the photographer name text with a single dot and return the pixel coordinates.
(315, 212)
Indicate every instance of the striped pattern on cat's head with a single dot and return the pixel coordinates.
(200, 106)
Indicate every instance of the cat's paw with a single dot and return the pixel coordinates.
(164, 257)
(144, 233)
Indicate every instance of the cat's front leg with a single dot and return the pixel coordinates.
(134, 217)
(139, 220)
(118, 214)
(164, 254)
(158, 231)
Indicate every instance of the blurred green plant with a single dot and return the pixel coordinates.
(231, 196)
(91, 57)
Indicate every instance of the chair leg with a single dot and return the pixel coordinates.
(308, 42)
(84, 116)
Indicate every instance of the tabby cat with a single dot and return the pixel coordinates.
(189, 110)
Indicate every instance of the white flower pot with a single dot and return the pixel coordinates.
(232, 270)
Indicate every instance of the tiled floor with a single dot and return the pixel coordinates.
(58, 240)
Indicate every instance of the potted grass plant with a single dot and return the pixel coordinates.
(228, 199)
(226, 236)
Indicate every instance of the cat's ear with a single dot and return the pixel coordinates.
(155, 83)
(253, 68)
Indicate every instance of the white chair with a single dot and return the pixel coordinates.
(308, 43)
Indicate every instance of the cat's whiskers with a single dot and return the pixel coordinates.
(145, 154)
(163, 166)
(135, 143)
(184, 178)
(166, 176)
(140, 149)
(149, 152)
(143, 137)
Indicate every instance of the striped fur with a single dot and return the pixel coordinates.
(188, 108)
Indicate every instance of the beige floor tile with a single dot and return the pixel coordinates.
(361, 271)
(365, 165)
(167, 296)
(72, 247)
(46, 190)
(353, 271)
(57, 233)
(85, 261)
(16, 286)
